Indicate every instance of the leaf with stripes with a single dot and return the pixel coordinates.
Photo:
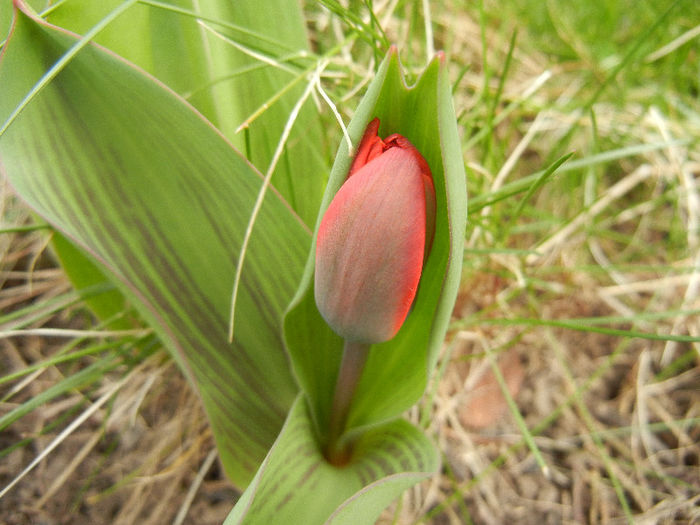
(143, 184)
(295, 484)
(228, 70)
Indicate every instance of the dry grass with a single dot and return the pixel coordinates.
(601, 420)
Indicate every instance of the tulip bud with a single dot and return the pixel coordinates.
(374, 238)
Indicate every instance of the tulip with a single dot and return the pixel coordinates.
(374, 238)
(372, 244)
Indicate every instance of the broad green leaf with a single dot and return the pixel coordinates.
(167, 45)
(397, 371)
(170, 46)
(175, 49)
(223, 81)
(5, 18)
(296, 485)
(131, 174)
(166, 41)
(84, 274)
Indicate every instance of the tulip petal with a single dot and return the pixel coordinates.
(370, 247)
(371, 146)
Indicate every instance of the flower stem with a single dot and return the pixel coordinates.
(353, 363)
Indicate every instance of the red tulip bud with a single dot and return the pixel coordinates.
(374, 239)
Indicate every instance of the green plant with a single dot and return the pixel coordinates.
(176, 218)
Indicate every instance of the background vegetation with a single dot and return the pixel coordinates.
(580, 283)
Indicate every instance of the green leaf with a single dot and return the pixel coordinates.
(84, 274)
(165, 39)
(223, 81)
(295, 484)
(397, 371)
(131, 174)
(5, 18)
(165, 44)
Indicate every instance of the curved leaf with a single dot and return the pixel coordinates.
(109, 306)
(5, 18)
(224, 82)
(295, 484)
(397, 371)
(136, 178)
(166, 41)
